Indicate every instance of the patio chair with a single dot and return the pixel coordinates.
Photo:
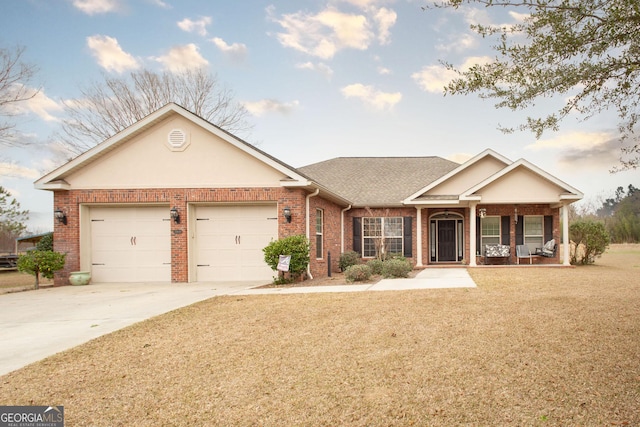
(522, 251)
(548, 250)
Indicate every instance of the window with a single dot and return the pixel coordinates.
(381, 235)
(490, 231)
(319, 233)
(533, 232)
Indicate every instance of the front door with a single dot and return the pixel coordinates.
(447, 240)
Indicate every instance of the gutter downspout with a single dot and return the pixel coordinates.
(341, 228)
(315, 193)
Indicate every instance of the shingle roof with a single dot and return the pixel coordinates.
(377, 181)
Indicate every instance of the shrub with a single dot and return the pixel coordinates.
(357, 273)
(46, 243)
(347, 259)
(41, 262)
(396, 267)
(592, 237)
(376, 266)
(296, 246)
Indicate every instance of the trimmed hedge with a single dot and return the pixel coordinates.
(357, 273)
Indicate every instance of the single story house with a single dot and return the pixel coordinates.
(174, 198)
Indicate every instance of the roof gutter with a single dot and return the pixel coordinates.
(315, 193)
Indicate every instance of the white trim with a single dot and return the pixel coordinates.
(575, 194)
(150, 120)
(465, 165)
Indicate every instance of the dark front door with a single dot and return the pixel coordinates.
(447, 240)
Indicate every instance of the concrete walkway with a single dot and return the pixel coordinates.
(37, 324)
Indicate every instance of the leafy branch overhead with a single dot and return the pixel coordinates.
(587, 51)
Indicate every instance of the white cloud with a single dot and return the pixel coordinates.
(236, 51)
(461, 42)
(161, 4)
(92, 7)
(259, 108)
(199, 26)
(433, 78)
(14, 170)
(371, 96)
(323, 34)
(384, 71)
(598, 150)
(110, 55)
(182, 58)
(42, 106)
(385, 18)
(320, 67)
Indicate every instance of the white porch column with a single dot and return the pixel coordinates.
(472, 234)
(419, 236)
(566, 247)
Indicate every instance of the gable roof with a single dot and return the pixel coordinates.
(377, 181)
(569, 193)
(55, 180)
(486, 153)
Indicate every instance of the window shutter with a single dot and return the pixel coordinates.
(506, 229)
(407, 243)
(520, 231)
(548, 228)
(478, 235)
(357, 235)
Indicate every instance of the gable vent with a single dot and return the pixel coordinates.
(177, 138)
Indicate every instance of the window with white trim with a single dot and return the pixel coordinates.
(381, 235)
(533, 232)
(489, 231)
(319, 233)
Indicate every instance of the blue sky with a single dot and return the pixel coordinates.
(321, 79)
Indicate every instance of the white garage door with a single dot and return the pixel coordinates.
(230, 239)
(130, 244)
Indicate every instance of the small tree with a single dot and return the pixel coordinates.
(12, 218)
(46, 243)
(590, 236)
(41, 262)
(296, 246)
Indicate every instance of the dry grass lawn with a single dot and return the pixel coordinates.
(528, 347)
(15, 281)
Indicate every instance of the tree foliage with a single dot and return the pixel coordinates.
(107, 107)
(15, 74)
(591, 240)
(12, 217)
(296, 246)
(44, 263)
(586, 51)
(622, 215)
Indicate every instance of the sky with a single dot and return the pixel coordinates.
(320, 79)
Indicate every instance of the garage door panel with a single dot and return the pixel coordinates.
(230, 239)
(130, 244)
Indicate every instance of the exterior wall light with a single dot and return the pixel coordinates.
(175, 216)
(60, 216)
(286, 212)
(516, 215)
(482, 212)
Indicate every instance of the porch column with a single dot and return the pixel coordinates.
(566, 247)
(472, 234)
(419, 236)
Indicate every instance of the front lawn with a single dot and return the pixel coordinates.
(528, 347)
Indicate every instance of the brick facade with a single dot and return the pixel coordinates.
(67, 237)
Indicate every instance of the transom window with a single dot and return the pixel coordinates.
(490, 231)
(319, 232)
(381, 236)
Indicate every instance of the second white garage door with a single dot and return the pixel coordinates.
(230, 239)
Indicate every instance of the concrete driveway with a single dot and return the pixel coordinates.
(37, 324)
